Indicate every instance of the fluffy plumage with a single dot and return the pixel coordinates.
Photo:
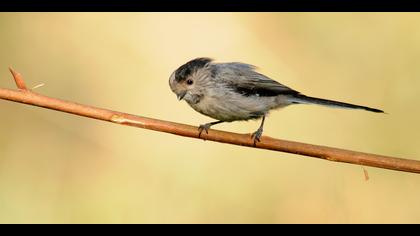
(235, 91)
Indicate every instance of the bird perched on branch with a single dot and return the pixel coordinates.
(235, 91)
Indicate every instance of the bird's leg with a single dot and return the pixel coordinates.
(207, 126)
(257, 134)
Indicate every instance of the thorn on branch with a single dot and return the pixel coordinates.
(18, 79)
(38, 86)
(366, 173)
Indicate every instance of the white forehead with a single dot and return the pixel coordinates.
(172, 78)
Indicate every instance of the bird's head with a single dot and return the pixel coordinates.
(189, 80)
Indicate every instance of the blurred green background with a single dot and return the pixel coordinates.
(60, 168)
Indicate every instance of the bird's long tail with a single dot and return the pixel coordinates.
(302, 99)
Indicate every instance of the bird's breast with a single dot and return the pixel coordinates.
(232, 107)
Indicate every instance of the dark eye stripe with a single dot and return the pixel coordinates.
(190, 67)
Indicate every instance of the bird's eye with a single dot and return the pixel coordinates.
(189, 82)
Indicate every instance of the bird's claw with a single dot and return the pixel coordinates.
(256, 136)
(204, 127)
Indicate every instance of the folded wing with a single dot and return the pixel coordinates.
(243, 78)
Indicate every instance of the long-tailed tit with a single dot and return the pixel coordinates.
(235, 91)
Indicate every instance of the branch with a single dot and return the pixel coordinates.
(18, 79)
(23, 95)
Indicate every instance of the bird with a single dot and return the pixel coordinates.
(235, 91)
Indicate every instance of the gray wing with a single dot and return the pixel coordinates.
(243, 79)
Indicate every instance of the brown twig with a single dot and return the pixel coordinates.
(18, 79)
(327, 153)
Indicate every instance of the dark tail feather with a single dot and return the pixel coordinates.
(300, 98)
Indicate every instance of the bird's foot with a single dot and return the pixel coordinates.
(257, 135)
(204, 127)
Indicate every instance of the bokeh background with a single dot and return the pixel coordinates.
(60, 168)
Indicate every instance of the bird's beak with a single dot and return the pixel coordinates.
(181, 95)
